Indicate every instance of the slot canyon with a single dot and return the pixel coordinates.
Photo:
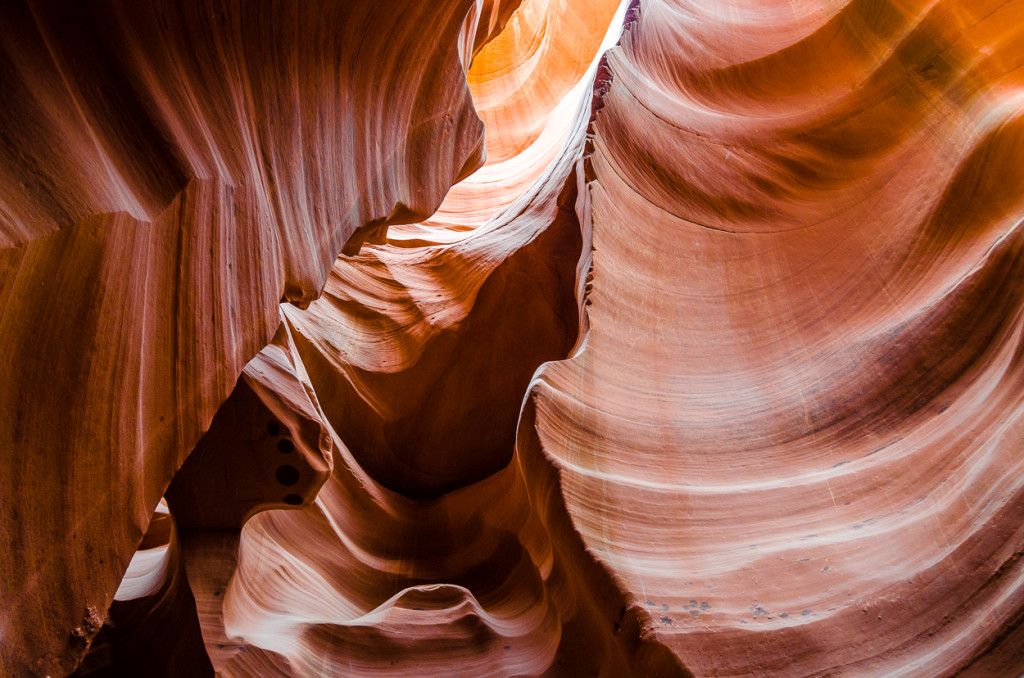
(518, 338)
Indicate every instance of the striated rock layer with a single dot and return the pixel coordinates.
(711, 369)
(794, 430)
(170, 172)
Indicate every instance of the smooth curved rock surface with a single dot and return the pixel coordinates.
(713, 368)
(794, 430)
(169, 173)
(489, 578)
(420, 356)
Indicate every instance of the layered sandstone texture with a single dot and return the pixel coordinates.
(169, 173)
(540, 338)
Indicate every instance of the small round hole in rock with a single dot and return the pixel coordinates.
(287, 475)
(274, 428)
(285, 446)
(293, 499)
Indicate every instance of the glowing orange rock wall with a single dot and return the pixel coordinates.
(793, 433)
(713, 367)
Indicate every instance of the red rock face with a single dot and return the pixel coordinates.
(792, 432)
(168, 174)
(711, 369)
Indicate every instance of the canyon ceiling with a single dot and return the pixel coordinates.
(496, 338)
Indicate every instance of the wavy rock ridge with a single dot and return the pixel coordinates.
(710, 369)
(170, 173)
(792, 427)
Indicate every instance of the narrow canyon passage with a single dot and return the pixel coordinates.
(530, 338)
(419, 354)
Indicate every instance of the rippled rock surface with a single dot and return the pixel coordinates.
(460, 345)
